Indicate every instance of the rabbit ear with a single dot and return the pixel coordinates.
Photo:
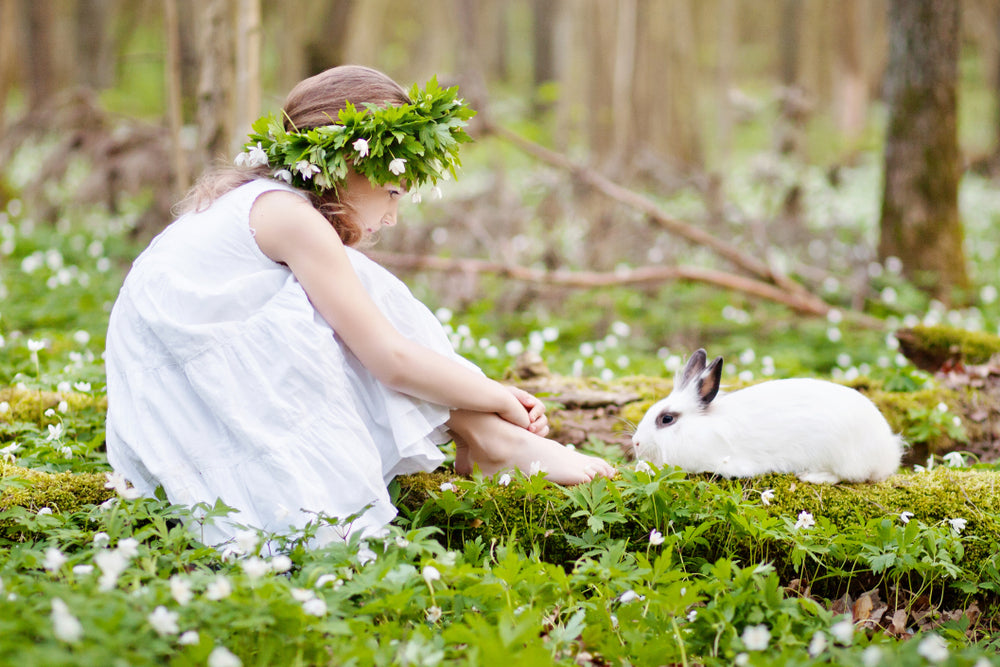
(693, 368)
(708, 382)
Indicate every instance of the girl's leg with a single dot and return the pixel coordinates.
(494, 444)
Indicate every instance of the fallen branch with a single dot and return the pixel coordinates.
(736, 256)
(802, 302)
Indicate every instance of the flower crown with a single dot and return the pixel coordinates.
(416, 143)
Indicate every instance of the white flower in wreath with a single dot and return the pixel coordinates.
(306, 169)
(283, 175)
(256, 157)
(361, 146)
(397, 166)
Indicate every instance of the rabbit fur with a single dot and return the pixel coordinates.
(822, 431)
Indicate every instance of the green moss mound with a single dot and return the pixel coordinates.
(933, 347)
(34, 490)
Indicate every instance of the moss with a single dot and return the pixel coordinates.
(708, 509)
(63, 492)
(931, 347)
(29, 405)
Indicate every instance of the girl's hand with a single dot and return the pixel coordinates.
(538, 421)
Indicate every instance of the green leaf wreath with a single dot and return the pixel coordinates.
(415, 144)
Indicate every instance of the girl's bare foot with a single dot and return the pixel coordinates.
(494, 444)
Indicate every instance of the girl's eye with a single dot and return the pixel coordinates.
(395, 194)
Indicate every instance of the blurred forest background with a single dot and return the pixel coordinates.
(687, 140)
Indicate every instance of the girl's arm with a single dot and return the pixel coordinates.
(289, 230)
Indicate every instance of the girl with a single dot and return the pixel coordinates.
(254, 356)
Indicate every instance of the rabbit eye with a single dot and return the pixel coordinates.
(666, 419)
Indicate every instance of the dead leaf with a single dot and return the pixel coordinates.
(898, 625)
(862, 608)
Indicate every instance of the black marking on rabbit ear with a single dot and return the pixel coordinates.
(708, 383)
(693, 368)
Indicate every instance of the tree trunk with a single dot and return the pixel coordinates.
(246, 97)
(851, 94)
(93, 55)
(40, 51)
(920, 223)
(215, 82)
(175, 113)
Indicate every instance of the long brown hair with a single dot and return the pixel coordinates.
(311, 103)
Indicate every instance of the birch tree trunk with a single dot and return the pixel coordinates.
(920, 221)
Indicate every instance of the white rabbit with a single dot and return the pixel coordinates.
(822, 431)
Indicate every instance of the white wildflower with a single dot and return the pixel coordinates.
(954, 459)
(933, 648)
(361, 146)
(630, 596)
(642, 466)
(843, 631)
(245, 541)
(402, 542)
(306, 169)
(66, 451)
(54, 559)
(766, 496)
(223, 657)
(117, 481)
(447, 486)
(101, 538)
(83, 570)
(129, 547)
(44, 511)
(255, 568)
(64, 624)
(55, 432)
(180, 589)
(62, 407)
(756, 637)
(35, 346)
(958, 525)
(905, 517)
(4, 407)
(314, 607)
(189, 638)
(256, 157)
(655, 538)
(83, 387)
(326, 579)
(433, 614)
(504, 480)
(112, 563)
(303, 594)
(817, 644)
(281, 563)
(806, 520)
(164, 621)
(219, 589)
(430, 574)
(534, 468)
(397, 166)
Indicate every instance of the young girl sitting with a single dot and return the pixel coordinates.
(254, 356)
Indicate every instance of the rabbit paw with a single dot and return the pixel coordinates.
(817, 477)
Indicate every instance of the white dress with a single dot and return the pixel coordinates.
(225, 383)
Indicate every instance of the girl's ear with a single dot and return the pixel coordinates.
(708, 383)
(692, 369)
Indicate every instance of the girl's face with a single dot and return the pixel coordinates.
(370, 206)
